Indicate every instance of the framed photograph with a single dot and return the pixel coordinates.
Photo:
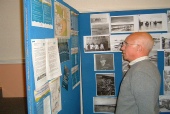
(105, 83)
(165, 41)
(153, 22)
(100, 18)
(164, 103)
(96, 43)
(100, 24)
(124, 24)
(103, 62)
(104, 104)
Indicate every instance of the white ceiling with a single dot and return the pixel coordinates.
(86, 6)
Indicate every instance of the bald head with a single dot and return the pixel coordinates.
(144, 39)
(137, 45)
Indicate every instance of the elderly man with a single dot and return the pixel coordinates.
(139, 91)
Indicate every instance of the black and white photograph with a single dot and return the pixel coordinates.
(105, 83)
(167, 58)
(157, 42)
(100, 29)
(165, 41)
(103, 62)
(100, 24)
(100, 18)
(124, 24)
(153, 57)
(153, 22)
(104, 104)
(116, 42)
(96, 43)
(166, 80)
(164, 103)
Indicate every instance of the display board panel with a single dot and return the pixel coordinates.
(95, 26)
(52, 57)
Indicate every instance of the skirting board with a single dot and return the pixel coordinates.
(12, 61)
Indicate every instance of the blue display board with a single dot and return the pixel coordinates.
(89, 74)
(39, 23)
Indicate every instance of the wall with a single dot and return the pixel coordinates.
(11, 31)
(116, 5)
(12, 78)
(12, 73)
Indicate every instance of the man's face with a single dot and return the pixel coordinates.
(129, 49)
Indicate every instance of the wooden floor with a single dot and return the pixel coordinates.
(13, 106)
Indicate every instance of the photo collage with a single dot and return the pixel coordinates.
(107, 34)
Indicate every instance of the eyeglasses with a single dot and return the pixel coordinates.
(126, 44)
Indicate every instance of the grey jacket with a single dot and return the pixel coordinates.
(139, 91)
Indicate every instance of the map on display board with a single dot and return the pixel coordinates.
(62, 21)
